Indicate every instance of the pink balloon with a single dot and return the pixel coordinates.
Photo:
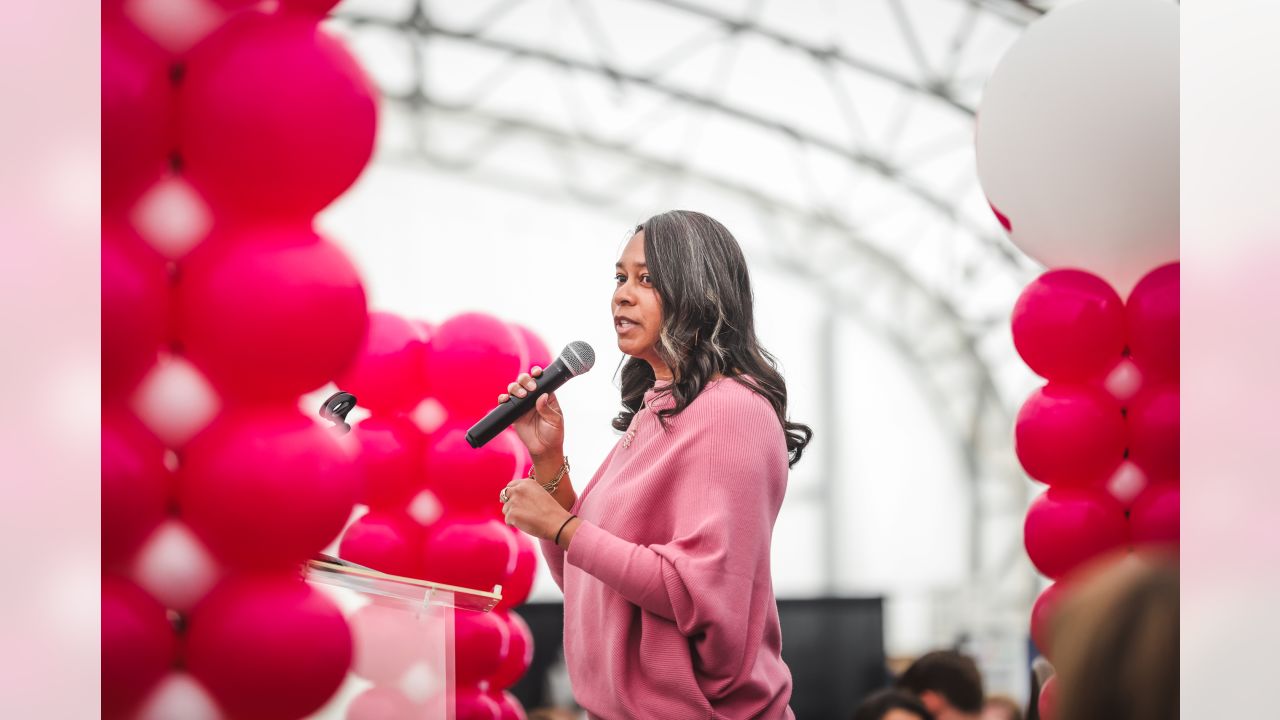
(390, 460)
(474, 357)
(536, 352)
(278, 118)
(385, 541)
(1048, 702)
(1066, 527)
(1154, 433)
(138, 645)
(1068, 325)
(470, 554)
(468, 480)
(383, 703)
(268, 647)
(482, 641)
(388, 641)
(520, 582)
(1155, 517)
(1042, 612)
(267, 488)
(136, 486)
(519, 655)
(137, 113)
(388, 373)
(271, 314)
(310, 7)
(136, 298)
(509, 707)
(1154, 314)
(1070, 435)
(475, 704)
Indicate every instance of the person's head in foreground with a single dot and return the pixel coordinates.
(683, 311)
(947, 682)
(1115, 643)
(891, 704)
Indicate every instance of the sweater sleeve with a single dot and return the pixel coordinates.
(712, 579)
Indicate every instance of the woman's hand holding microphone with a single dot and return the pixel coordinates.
(526, 504)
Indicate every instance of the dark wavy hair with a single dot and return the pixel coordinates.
(708, 324)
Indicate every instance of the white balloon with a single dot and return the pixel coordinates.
(1077, 138)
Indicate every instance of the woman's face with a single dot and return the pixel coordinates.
(637, 309)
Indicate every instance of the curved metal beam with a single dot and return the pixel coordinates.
(425, 27)
(853, 241)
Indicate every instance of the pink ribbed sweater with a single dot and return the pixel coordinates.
(668, 598)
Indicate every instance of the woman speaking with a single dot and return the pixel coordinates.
(664, 556)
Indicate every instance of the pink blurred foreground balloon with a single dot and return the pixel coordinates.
(267, 488)
(136, 301)
(136, 486)
(278, 118)
(383, 703)
(1154, 311)
(509, 707)
(385, 541)
(271, 314)
(470, 554)
(390, 460)
(318, 8)
(519, 655)
(1155, 518)
(520, 582)
(474, 357)
(1042, 612)
(1066, 527)
(388, 641)
(475, 704)
(137, 114)
(1154, 432)
(536, 351)
(468, 480)
(1070, 435)
(388, 372)
(269, 648)
(1068, 325)
(138, 645)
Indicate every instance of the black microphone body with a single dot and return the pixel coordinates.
(577, 355)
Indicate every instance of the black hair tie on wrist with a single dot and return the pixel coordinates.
(562, 527)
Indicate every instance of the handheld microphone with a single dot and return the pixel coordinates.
(576, 358)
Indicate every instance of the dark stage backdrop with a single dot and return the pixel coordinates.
(834, 647)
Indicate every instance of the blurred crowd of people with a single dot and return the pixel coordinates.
(1115, 657)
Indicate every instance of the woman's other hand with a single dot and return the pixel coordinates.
(530, 508)
(542, 429)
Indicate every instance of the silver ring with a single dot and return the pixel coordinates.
(504, 497)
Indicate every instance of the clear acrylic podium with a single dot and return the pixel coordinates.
(402, 630)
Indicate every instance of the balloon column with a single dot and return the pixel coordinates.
(1077, 151)
(433, 510)
(215, 486)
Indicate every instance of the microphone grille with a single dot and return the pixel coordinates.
(578, 357)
